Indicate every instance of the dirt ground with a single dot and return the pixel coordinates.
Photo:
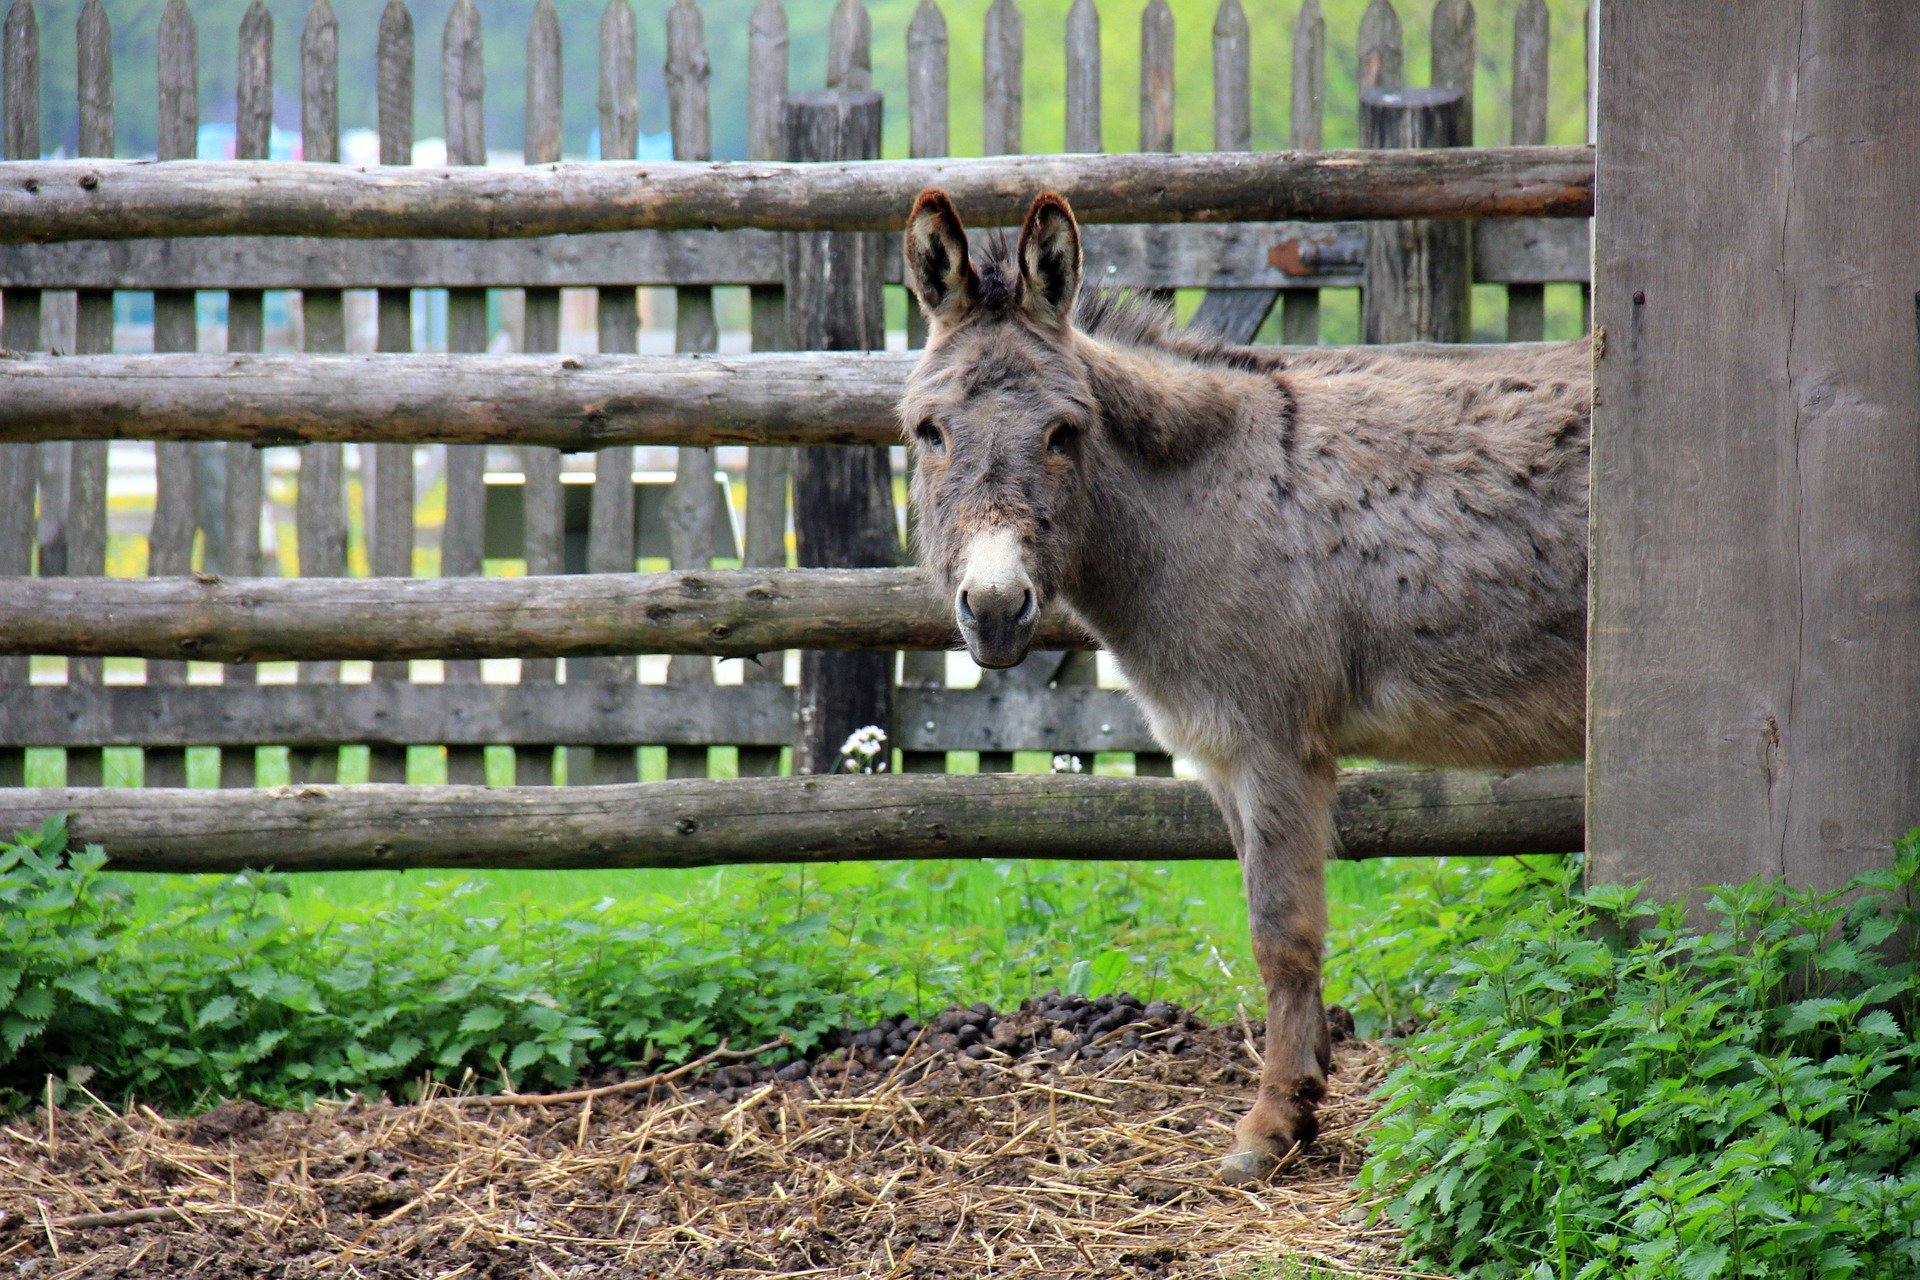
(1068, 1139)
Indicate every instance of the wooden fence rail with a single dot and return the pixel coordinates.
(575, 403)
(697, 823)
(46, 200)
(727, 613)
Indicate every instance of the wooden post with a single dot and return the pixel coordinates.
(843, 499)
(850, 47)
(1754, 646)
(1382, 64)
(928, 107)
(1527, 303)
(1419, 273)
(1234, 314)
(19, 331)
(1156, 96)
(390, 526)
(768, 469)
(610, 537)
(544, 516)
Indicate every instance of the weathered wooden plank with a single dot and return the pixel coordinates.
(130, 199)
(1755, 642)
(322, 717)
(700, 822)
(575, 403)
(253, 123)
(1527, 302)
(843, 514)
(463, 90)
(692, 503)
(19, 331)
(1235, 255)
(1003, 81)
(392, 715)
(390, 505)
(1382, 60)
(1300, 312)
(85, 492)
(610, 537)
(850, 47)
(929, 108)
(1084, 132)
(170, 536)
(543, 516)
(1418, 282)
(1452, 47)
(1156, 77)
(1235, 315)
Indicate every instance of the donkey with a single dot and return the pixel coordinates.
(1294, 556)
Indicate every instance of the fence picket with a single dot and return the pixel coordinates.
(610, 543)
(1527, 303)
(1236, 314)
(1452, 48)
(390, 497)
(170, 537)
(19, 331)
(691, 505)
(928, 106)
(543, 513)
(767, 469)
(1003, 102)
(1300, 310)
(85, 526)
(1083, 77)
(1156, 77)
(1382, 64)
(850, 47)
(463, 90)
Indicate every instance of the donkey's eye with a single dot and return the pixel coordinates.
(930, 436)
(1061, 437)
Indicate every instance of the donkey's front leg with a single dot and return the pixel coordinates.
(1284, 830)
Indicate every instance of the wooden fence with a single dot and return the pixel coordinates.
(579, 690)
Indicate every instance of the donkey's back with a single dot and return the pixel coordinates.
(1445, 500)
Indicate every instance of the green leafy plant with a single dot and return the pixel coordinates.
(1605, 1092)
(183, 991)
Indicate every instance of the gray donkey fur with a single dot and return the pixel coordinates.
(1293, 556)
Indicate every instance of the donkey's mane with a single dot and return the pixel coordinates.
(1120, 317)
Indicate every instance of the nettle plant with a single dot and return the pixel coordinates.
(1606, 1092)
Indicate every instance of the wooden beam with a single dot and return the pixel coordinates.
(732, 613)
(573, 402)
(42, 200)
(701, 822)
(395, 714)
(1222, 256)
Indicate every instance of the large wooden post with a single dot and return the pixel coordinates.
(1419, 273)
(843, 513)
(1755, 634)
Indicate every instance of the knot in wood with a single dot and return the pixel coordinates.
(89, 181)
(685, 826)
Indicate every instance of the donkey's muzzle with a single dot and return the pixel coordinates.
(997, 622)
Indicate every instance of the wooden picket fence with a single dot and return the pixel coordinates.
(598, 711)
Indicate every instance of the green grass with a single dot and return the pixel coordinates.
(1014, 912)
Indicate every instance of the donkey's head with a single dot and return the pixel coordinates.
(998, 413)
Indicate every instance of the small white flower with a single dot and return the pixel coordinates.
(1064, 763)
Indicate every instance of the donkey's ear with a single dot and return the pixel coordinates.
(938, 269)
(1050, 259)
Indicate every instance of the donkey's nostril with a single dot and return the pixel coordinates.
(1026, 605)
(966, 611)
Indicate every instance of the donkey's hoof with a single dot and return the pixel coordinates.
(1241, 1168)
